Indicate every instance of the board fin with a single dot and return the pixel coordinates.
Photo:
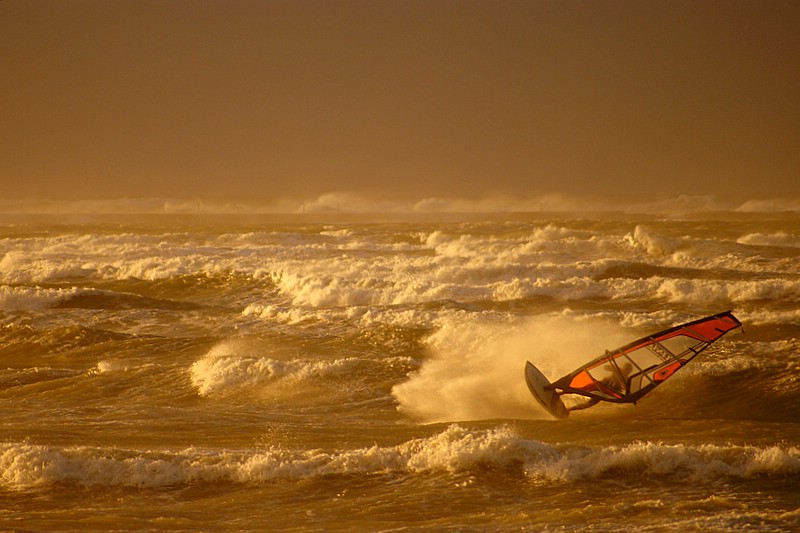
(544, 392)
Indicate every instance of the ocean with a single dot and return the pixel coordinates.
(235, 373)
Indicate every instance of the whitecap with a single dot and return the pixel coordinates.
(452, 451)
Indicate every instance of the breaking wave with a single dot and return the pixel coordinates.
(237, 364)
(454, 450)
(329, 267)
(32, 298)
(779, 238)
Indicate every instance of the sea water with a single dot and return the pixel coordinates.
(213, 374)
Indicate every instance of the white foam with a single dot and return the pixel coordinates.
(236, 363)
(646, 240)
(29, 267)
(344, 286)
(723, 291)
(463, 267)
(342, 267)
(340, 233)
(762, 316)
(699, 462)
(32, 298)
(779, 238)
(107, 367)
(453, 450)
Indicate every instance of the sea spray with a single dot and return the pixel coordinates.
(475, 368)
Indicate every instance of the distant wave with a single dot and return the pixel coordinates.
(256, 367)
(16, 298)
(32, 298)
(353, 203)
(779, 238)
(232, 365)
(325, 268)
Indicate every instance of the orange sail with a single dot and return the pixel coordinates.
(626, 374)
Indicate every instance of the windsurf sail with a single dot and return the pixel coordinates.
(626, 374)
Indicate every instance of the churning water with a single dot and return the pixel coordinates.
(225, 374)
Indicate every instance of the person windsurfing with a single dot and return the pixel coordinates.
(616, 381)
(630, 372)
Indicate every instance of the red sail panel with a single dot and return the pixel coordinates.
(714, 328)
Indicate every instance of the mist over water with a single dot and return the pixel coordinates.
(359, 203)
(176, 373)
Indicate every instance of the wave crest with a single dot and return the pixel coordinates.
(236, 364)
(453, 451)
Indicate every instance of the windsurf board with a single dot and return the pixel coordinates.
(544, 394)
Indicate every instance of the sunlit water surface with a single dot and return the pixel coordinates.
(220, 374)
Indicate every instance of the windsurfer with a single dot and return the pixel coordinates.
(618, 381)
(628, 373)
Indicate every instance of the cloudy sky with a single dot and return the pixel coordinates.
(405, 99)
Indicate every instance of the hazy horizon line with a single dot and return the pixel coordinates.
(353, 203)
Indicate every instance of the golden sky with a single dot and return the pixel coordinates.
(406, 99)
